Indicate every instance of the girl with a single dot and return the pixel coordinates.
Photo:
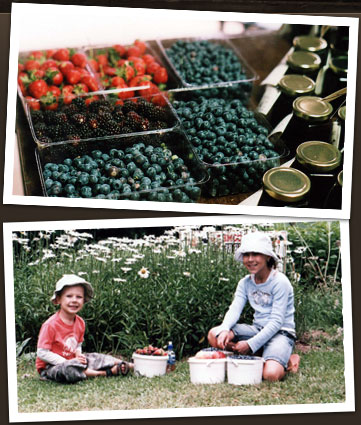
(270, 294)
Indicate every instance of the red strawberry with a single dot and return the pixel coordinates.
(33, 103)
(23, 80)
(73, 76)
(109, 70)
(125, 94)
(152, 67)
(36, 74)
(120, 49)
(66, 66)
(38, 88)
(102, 59)
(140, 80)
(91, 99)
(134, 51)
(49, 53)
(81, 88)
(160, 75)
(36, 54)
(21, 67)
(138, 64)
(61, 55)
(148, 58)
(48, 63)
(117, 81)
(54, 90)
(90, 82)
(32, 64)
(54, 76)
(141, 46)
(94, 65)
(68, 94)
(79, 59)
(126, 70)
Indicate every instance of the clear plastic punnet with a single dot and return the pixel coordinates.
(230, 140)
(101, 117)
(156, 167)
(206, 62)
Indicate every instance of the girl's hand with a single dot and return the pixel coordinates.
(224, 338)
(242, 347)
(82, 359)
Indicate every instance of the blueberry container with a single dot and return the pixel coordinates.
(230, 140)
(104, 118)
(91, 52)
(152, 168)
(201, 62)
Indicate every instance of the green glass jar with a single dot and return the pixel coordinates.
(285, 187)
(304, 63)
(312, 44)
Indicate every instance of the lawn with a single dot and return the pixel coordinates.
(319, 380)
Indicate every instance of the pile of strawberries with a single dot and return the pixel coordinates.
(121, 66)
(48, 77)
(151, 351)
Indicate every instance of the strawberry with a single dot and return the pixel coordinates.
(79, 59)
(66, 66)
(160, 75)
(148, 58)
(152, 67)
(73, 76)
(117, 81)
(133, 51)
(90, 82)
(32, 64)
(48, 63)
(126, 70)
(54, 76)
(21, 67)
(67, 94)
(138, 65)
(140, 80)
(49, 53)
(91, 99)
(61, 55)
(94, 65)
(38, 88)
(125, 94)
(23, 80)
(36, 54)
(36, 74)
(54, 90)
(120, 49)
(80, 88)
(102, 59)
(141, 46)
(109, 70)
(33, 103)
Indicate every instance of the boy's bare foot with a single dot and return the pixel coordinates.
(293, 363)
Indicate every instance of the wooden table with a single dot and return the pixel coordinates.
(261, 49)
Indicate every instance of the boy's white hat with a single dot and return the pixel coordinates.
(255, 242)
(72, 280)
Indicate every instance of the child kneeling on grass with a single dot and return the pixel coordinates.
(59, 354)
(270, 294)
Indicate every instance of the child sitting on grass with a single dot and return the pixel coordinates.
(270, 294)
(59, 354)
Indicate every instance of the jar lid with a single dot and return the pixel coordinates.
(340, 178)
(286, 184)
(312, 108)
(339, 65)
(318, 156)
(342, 113)
(295, 84)
(310, 43)
(303, 61)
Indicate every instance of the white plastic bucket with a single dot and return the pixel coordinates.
(244, 372)
(207, 371)
(150, 366)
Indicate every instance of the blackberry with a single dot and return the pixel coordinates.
(118, 116)
(60, 118)
(37, 116)
(80, 103)
(128, 106)
(85, 132)
(133, 120)
(71, 109)
(158, 125)
(112, 127)
(104, 110)
(49, 117)
(93, 121)
(67, 128)
(79, 119)
(55, 132)
(126, 129)
(104, 118)
(99, 132)
(40, 129)
(45, 139)
(73, 136)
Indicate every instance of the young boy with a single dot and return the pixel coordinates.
(59, 354)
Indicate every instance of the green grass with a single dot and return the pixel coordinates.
(319, 380)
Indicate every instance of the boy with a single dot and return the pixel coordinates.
(59, 354)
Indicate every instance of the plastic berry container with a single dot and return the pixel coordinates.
(230, 140)
(200, 62)
(101, 117)
(160, 167)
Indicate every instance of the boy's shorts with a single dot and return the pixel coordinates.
(278, 348)
(72, 371)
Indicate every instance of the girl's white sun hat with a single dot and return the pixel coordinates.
(257, 242)
(72, 280)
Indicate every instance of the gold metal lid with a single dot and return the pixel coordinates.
(295, 84)
(342, 112)
(339, 65)
(286, 184)
(312, 108)
(318, 156)
(340, 178)
(301, 60)
(310, 43)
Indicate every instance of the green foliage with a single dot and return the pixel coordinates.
(156, 289)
